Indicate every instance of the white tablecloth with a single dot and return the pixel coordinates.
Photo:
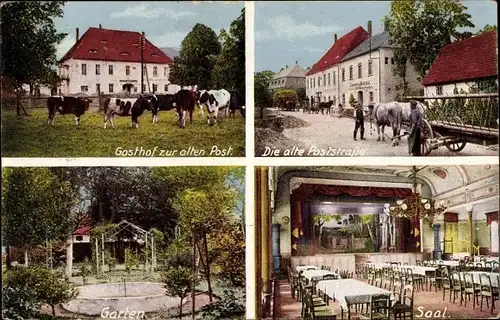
(475, 275)
(350, 291)
(379, 265)
(303, 268)
(416, 269)
(450, 263)
(317, 275)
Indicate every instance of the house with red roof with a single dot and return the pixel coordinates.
(109, 61)
(358, 64)
(465, 64)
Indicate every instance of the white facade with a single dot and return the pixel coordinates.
(90, 77)
(457, 87)
(368, 77)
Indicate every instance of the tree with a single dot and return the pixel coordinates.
(352, 100)
(197, 57)
(261, 86)
(487, 28)
(229, 68)
(29, 41)
(421, 28)
(301, 93)
(54, 289)
(131, 261)
(178, 283)
(36, 207)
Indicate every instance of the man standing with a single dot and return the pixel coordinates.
(414, 138)
(360, 122)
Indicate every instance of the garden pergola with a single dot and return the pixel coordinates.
(139, 233)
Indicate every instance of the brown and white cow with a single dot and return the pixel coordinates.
(66, 105)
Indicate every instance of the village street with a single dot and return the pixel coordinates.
(328, 131)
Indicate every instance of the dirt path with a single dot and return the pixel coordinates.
(330, 132)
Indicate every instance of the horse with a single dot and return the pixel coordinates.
(387, 114)
(325, 105)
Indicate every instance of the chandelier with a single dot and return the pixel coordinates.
(415, 206)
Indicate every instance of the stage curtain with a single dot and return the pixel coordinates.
(307, 190)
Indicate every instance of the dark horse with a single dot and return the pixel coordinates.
(325, 105)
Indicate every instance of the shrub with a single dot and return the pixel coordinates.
(131, 260)
(228, 307)
(110, 260)
(178, 283)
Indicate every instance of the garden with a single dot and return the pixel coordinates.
(86, 243)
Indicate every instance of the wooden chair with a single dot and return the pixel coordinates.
(457, 286)
(446, 284)
(378, 308)
(436, 279)
(295, 286)
(388, 281)
(470, 289)
(418, 262)
(313, 311)
(487, 291)
(416, 280)
(404, 307)
(306, 294)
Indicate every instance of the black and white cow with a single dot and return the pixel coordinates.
(66, 105)
(127, 107)
(185, 102)
(164, 102)
(214, 100)
(236, 102)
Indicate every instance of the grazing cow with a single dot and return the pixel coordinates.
(165, 102)
(66, 105)
(214, 100)
(126, 107)
(185, 102)
(236, 102)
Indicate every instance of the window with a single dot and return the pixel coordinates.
(343, 99)
(84, 69)
(110, 88)
(78, 238)
(334, 100)
(328, 98)
(324, 80)
(97, 69)
(371, 96)
(165, 88)
(135, 89)
(350, 72)
(84, 88)
(155, 88)
(386, 60)
(155, 71)
(97, 87)
(370, 72)
(127, 70)
(165, 69)
(333, 76)
(359, 70)
(392, 60)
(110, 69)
(319, 81)
(343, 74)
(143, 88)
(439, 90)
(329, 80)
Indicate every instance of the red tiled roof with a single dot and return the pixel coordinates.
(471, 58)
(114, 45)
(339, 49)
(82, 231)
(84, 226)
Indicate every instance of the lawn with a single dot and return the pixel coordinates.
(30, 136)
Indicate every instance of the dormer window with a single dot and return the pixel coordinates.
(104, 41)
(124, 53)
(135, 45)
(155, 54)
(92, 51)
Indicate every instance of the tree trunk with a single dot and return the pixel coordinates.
(180, 309)
(8, 259)
(26, 257)
(53, 310)
(193, 289)
(69, 257)
(208, 268)
(371, 234)
(205, 267)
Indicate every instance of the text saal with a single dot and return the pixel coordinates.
(430, 314)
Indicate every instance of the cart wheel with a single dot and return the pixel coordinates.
(428, 134)
(457, 145)
(317, 111)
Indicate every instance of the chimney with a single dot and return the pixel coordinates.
(335, 38)
(100, 26)
(370, 27)
(286, 66)
(77, 34)
(296, 62)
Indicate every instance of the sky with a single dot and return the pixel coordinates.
(286, 32)
(164, 23)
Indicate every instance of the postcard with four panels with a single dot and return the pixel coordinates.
(250, 160)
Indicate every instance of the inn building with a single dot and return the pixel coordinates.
(358, 64)
(289, 77)
(109, 61)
